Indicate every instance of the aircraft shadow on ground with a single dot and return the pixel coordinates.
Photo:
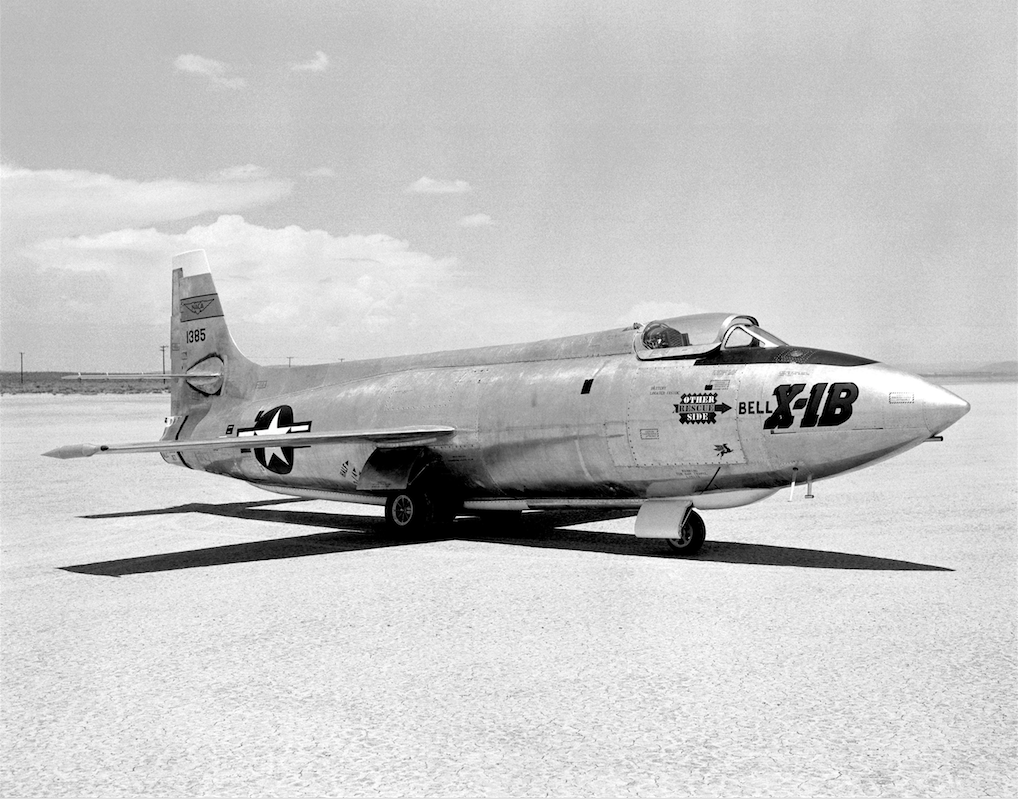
(547, 530)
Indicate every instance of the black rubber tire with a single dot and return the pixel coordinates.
(409, 512)
(691, 536)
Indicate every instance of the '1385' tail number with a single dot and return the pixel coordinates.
(194, 336)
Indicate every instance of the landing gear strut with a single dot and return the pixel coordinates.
(692, 532)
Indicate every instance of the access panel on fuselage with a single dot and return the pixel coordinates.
(683, 415)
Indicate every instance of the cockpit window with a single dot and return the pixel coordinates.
(750, 336)
(740, 337)
(658, 336)
(699, 334)
(699, 330)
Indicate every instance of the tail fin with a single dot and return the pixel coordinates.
(200, 341)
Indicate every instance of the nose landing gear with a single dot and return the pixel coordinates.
(692, 533)
(663, 518)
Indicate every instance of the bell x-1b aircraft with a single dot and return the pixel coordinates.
(695, 412)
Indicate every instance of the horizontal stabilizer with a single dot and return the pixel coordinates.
(388, 439)
(141, 376)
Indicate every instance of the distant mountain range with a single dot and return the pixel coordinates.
(999, 370)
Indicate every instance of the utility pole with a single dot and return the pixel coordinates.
(22, 368)
(163, 348)
(289, 358)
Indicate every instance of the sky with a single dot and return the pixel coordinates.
(388, 177)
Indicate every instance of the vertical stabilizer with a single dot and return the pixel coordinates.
(200, 341)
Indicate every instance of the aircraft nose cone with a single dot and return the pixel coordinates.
(942, 408)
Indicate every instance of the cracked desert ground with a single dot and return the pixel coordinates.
(172, 633)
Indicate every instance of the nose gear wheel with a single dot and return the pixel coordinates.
(692, 533)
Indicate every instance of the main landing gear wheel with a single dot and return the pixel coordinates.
(691, 535)
(409, 512)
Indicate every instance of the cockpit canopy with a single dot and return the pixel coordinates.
(693, 336)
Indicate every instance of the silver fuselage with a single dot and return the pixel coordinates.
(582, 421)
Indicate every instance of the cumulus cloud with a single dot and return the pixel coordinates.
(428, 185)
(286, 291)
(85, 276)
(475, 220)
(321, 172)
(216, 72)
(315, 293)
(317, 64)
(50, 202)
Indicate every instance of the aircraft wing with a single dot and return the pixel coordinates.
(392, 438)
